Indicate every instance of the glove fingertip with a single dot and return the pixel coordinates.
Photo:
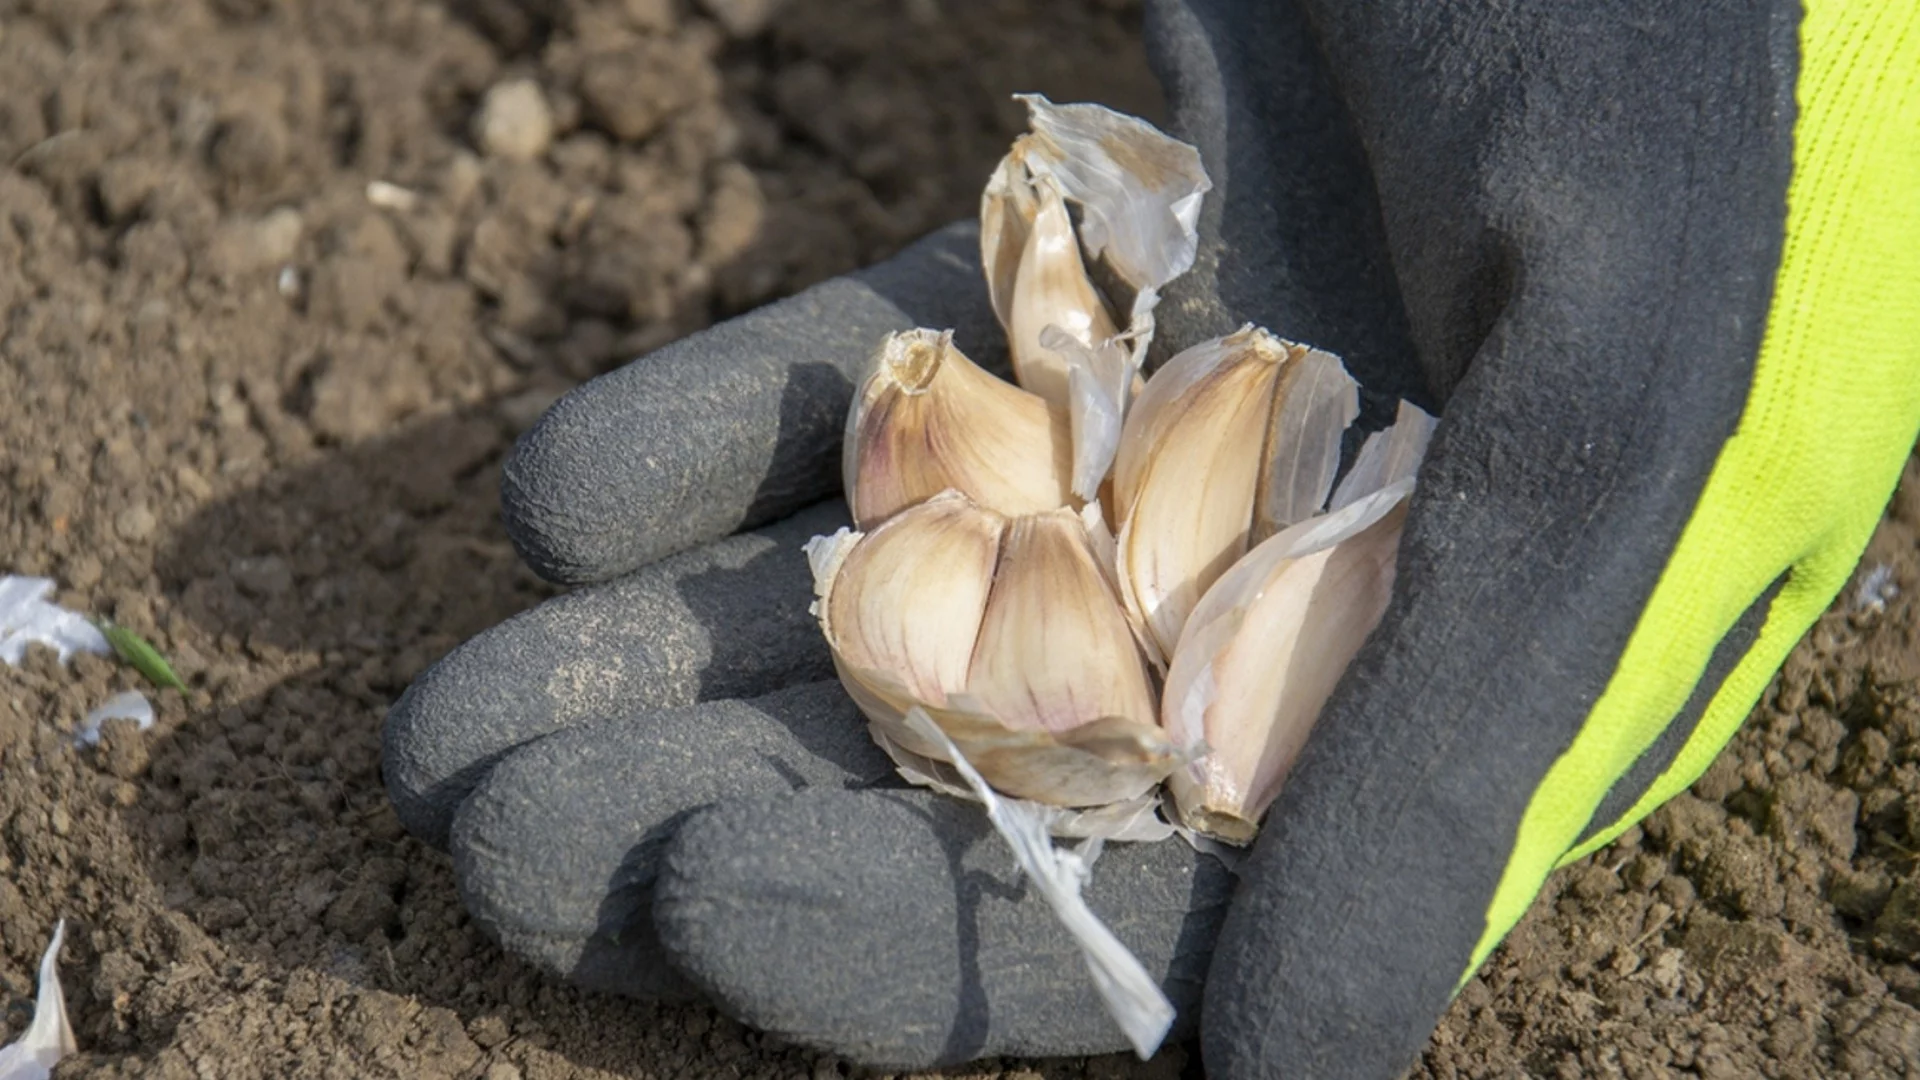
(725, 429)
(428, 758)
(577, 907)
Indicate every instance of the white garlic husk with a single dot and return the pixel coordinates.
(48, 1037)
(927, 419)
(1138, 193)
(1267, 644)
(1232, 440)
(1008, 632)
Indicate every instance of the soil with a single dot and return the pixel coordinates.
(282, 281)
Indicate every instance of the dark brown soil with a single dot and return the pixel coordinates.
(255, 411)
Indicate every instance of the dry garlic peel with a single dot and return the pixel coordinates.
(1101, 379)
(1009, 634)
(48, 1037)
(1230, 429)
(1139, 191)
(1132, 997)
(1315, 401)
(1389, 456)
(928, 419)
(1269, 641)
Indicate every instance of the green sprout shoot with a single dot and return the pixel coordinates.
(136, 652)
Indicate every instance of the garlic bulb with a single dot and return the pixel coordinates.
(1004, 645)
(1139, 193)
(1266, 645)
(986, 592)
(1231, 440)
(1008, 632)
(927, 419)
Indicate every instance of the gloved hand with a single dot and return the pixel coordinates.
(1658, 267)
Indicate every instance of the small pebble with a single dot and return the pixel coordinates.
(277, 235)
(389, 196)
(461, 178)
(135, 523)
(515, 121)
(84, 570)
(261, 576)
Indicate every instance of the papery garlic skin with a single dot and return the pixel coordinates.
(1101, 380)
(48, 1037)
(927, 419)
(1267, 644)
(1229, 430)
(1008, 632)
(1139, 190)
(1315, 401)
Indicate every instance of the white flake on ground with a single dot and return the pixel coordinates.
(125, 705)
(26, 618)
(49, 1037)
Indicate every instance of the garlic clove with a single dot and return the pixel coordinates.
(1253, 682)
(1154, 410)
(1052, 290)
(1139, 195)
(906, 598)
(1055, 650)
(1232, 440)
(1188, 508)
(1267, 644)
(928, 419)
(1009, 634)
(1007, 209)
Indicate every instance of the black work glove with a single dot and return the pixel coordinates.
(1563, 226)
